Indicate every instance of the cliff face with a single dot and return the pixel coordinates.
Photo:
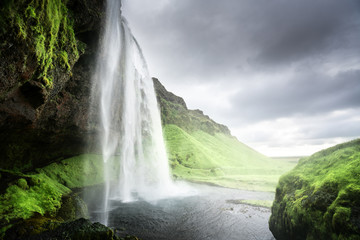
(47, 55)
(174, 111)
(320, 197)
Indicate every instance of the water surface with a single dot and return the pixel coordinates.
(211, 214)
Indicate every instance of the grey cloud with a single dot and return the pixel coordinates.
(335, 129)
(292, 30)
(204, 38)
(231, 42)
(308, 93)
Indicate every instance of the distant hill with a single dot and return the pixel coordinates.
(320, 197)
(174, 111)
(202, 150)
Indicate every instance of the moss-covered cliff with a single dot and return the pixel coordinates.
(320, 198)
(47, 49)
(47, 52)
(45, 30)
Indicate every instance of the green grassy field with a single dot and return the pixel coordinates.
(222, 160)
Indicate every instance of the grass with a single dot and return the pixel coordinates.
(222, 160)
(322, 193)
(252, 202)
(202, 150)
(76, 172)
(41, 191)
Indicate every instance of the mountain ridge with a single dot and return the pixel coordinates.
(174, 111)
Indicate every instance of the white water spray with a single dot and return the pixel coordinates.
(135, 160)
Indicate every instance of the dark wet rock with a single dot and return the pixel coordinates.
(72, 207)
(80, 229)
(45, 229)
(40, 124)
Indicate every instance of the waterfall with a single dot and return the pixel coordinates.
(133, 150)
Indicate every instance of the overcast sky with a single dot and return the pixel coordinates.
(283, 75)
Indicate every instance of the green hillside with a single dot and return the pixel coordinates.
(202, 150)
(320, 197)
(222, 160)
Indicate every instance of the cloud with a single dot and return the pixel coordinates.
(304, 93)
(255, 63)
(293, 31)
(209, 38)
(301, 136)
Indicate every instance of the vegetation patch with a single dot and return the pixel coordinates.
(31, 194)
(42, 191)
(201, 150)
(252, 202)
(44, 27)
(80, 171)
(221, 159)
(320, 197)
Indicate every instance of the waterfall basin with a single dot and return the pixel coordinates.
(212, 213)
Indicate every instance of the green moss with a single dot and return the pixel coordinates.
(75, 172)
(320, 196)
(3, 230)
(44, 197)
(44, 26)
(81, 47)
(65, 60)
(41, 192)
(22, 183)
(341, 218)
(30, 12)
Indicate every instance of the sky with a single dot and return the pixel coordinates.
(283, 75)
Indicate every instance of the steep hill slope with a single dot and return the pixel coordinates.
(204, 151)
(320, 197)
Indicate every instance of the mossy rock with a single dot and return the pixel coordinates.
(46, 29)
(320, 197)
(22, 183)
(39, 228)
(72, 207)
(37, 224)
(80, 229)
(48, 190)
(47, 51)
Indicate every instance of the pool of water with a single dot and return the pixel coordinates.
(212, 213)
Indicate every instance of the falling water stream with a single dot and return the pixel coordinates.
(134, 154)
(138, 192)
